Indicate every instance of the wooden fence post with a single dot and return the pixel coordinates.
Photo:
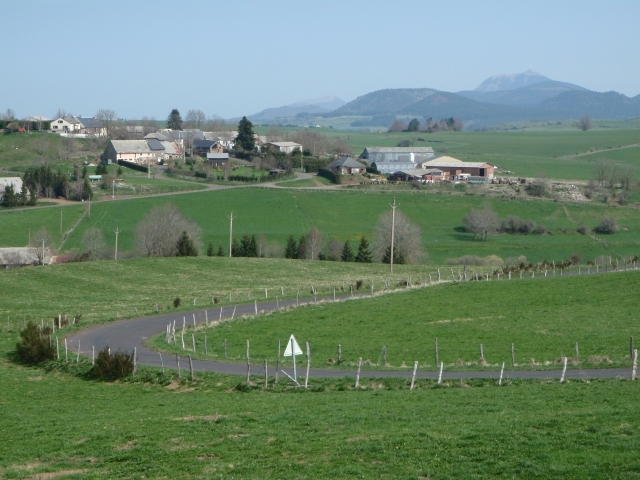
(266, 375)
(339, 354)
(631, 347)
(225, 348)
(577, 353)
(440, 375)
(66, 351)
(248, 365)
(93, 355)
(277, 362)
(501, 372)
(206, 352)
(190, 369)
(413, 377)
(306, 378)
(436, 351)
(564, 370)
(481, 352)
(384, 355)
(178, 364)
(193, 342)
(161, 362)
(135, 361)
(358, 373)
(635, 364)
(513, 355)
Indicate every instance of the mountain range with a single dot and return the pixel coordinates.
(314, 106)
(502, 98)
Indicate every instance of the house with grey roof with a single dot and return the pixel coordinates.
(218, 160)
(202, 147)
(286, 147)
(134, 151)
(346, 166)
(391, 154)
(15, 257)
(78, 125)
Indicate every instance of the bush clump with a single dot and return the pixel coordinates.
(176, 302)
(113, 366)
(474, 260)
(514, 225)
(583, 229)
(35, 344)
(607, 225)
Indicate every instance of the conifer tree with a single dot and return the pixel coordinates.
(186, 248)
(302, 248)
(364, 254)
(210, 251)
(245, 139)
(398, 258)
(220, 252)
(291, 249)
(347, 253)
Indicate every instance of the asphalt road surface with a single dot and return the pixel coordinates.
(126, 335)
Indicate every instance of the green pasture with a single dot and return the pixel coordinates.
(62, 425)
(543, 318)
(348, 215)
(105, 290)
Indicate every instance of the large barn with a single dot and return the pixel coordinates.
(453, 167)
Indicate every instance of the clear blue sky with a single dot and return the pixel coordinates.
(234, 58)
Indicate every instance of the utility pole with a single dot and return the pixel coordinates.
(61, 221)
(393, 229)
(113, 190)
(42, 252)
(231, 217)
(149, 167)
(116, 232)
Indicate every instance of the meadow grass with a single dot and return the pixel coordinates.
(347, 215)
(61, 424)
(104, 290)
(544, 318)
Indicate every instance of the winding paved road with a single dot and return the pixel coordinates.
(126, 335)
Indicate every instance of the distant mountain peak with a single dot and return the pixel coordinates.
(511, 81)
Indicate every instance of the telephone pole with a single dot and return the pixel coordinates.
(393, 229)
(61, 221)
(116, 232)
(231, 217)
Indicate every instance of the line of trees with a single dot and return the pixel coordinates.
(430, 125)
(44, 181)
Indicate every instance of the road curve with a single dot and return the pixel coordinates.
(126, 335)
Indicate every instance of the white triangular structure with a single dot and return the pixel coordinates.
(292, 345)
(292, 350)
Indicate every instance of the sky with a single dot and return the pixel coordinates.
(233, 58)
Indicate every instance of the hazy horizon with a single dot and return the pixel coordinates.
(144, 58)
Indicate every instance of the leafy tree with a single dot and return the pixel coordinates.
(245, 139)
(364, 254)
(186, 247)
(347, 253)
(414, 125)
(210, 251)
(291, 249)
(584, 123)
(220, 252)
(174, 120)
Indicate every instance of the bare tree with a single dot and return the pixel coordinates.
(106, 118)
(217, 124)
(158, 233)
(313, 242)
(149, 125)
(407, 238)
(9, 115)
(94, 243)
(273, 134)
(601, 171)
(584, 123)
(195, 119)
(626, 177)
(61, 113)
(41, 144)
(66, 148)
(481, 222)
(398, 126)
(41, 240)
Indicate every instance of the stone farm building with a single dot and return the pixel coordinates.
(346, 166)
(134, 151)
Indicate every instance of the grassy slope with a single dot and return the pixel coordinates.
(544, 318)
(99, 290)
(347, 216)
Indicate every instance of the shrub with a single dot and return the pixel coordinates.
(583, 229)
(513, 225)
(176, 302)
(113, 366)
(329, 175)
(607, 225)
(575, 259)
(475, 260)
(35, 344)
(537, 188)
(359, 284)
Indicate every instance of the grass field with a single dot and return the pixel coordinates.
(543, 318)
(87, 429)
(349, 215)
(101, 290)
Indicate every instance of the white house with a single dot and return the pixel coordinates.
(74, 125)
(286, 147)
